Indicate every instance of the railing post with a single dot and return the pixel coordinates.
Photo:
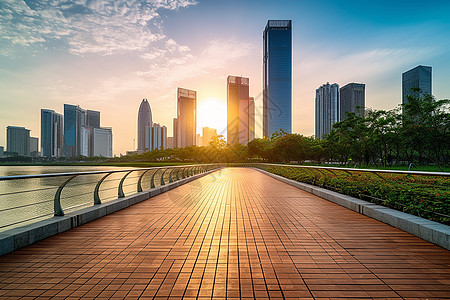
(152, 182)
(170, 175)
(58, 211)
(120, 193)
(97, 200)
(139, 184)
(162, 177)
(177, 175)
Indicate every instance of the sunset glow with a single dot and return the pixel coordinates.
(212, 113)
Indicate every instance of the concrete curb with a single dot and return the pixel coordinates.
(430, 231)
(13, 239)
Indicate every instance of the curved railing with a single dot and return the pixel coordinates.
(18, 202)
(425, 194)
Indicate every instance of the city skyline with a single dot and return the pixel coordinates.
(78, 61)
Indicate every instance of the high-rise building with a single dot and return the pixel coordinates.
(170, 142)
(327, 109)
(418, 77)
(103, 140)
(238, 112)
(208, 134)
(93, 118)
(18, 140)
(34, 146)
(251, 119)
(159, 137)
(277, 77)
(145, 125)
(86, 141)
(351, 96)
(74, 118)
(52, 133)
(186, 122)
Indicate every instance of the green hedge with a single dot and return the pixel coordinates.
(424, 196)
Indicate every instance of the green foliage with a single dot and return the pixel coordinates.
(424, 196)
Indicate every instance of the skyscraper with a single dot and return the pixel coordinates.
(18, 140)
(418, 77)
(251, 119)
(238, 112)
(74, 118)
(51, 133)
(103, 140)
(93, 118)
(208, 133)
(277, 77)
(186, 121)
(159, 137)
(327, 108)
(351, 96)
(144, 125)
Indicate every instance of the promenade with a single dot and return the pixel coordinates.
(235, 233)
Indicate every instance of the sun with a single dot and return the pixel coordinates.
(212, 112)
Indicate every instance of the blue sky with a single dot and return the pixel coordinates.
(108, 55)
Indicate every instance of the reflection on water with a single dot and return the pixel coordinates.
(28, 200)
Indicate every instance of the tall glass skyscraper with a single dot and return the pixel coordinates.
(327, 108)
(51, 133)
(185, 125)
(74, 118)
(419, 77)
(351, 96)
(277, 77)
(238, 110)
(145, 125)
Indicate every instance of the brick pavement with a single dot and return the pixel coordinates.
(236, 233)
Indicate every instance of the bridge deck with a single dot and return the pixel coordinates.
(236, 233)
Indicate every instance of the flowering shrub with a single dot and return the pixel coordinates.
(424, 196)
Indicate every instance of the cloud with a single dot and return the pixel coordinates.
(97, 26)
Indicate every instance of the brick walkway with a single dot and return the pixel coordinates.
(236, 233)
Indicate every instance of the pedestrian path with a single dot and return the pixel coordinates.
(235, 233)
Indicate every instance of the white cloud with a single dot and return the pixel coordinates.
(97, 26)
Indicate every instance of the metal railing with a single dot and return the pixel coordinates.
(419, 181)
(13, 209)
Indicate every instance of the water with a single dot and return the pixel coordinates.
(29, 200)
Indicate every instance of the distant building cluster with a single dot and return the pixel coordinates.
(332, 105)
(76, 133)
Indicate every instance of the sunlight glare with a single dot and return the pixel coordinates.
(212, 113)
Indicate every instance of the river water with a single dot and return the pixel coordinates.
(29, 200)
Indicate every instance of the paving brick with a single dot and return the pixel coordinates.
(233, 233)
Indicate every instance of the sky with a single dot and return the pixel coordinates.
(108, 55)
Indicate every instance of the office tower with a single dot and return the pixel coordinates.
(74, 118)
(238, 112)
(175, 133)
(208, 134)
(18, 140)
(251, 119)
(170, 142)
(159, 137)
(351, 96)
(186, 121)
(52, 133)
(103, 140)
(277, 77)
(327, 109)
(418, 77)
(93, 118)
(144, 120)
(86, 140)
(34, 146)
